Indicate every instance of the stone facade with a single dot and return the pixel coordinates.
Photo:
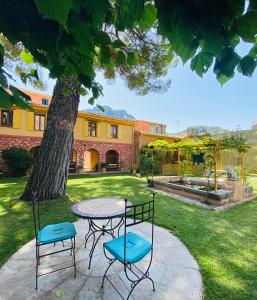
(80, 146)
(25, 142)
(124, 151)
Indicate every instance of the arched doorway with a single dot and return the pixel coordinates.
(34, 152)
(112, 160)
(91, 160)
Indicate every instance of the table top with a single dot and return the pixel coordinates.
(100, 208)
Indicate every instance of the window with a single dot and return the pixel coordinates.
(6, 118)
(40, 122)
(92, 128)
(114, 131)
(45, 102)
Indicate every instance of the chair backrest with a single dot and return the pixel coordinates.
(36, 212)
(139, 213)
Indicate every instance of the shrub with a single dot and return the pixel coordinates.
(18, 161)
(148, 166)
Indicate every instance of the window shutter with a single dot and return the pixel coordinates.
(30, 120)
(98, 129)
(16, 118)
(108, 131)
(119, 128)
(85, 127)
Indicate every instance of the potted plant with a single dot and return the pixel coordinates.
(103, 167)
(148, 167)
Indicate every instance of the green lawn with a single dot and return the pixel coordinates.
(224, 244)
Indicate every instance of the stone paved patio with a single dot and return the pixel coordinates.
(174, 270)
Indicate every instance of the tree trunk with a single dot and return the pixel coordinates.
(50, 171)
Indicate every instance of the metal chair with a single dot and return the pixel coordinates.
(51, 234)
(131, 248)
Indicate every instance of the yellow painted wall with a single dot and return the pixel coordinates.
(23, 121)
(125, 132)
(22, 125)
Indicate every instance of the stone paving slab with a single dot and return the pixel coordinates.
(174, 271)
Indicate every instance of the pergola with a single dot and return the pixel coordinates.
(196, 143)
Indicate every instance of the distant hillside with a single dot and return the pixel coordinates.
(200, 129)
(108, 111)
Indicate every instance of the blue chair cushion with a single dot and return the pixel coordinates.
(56, 232)
(136, 248)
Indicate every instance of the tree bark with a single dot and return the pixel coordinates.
(50, 171)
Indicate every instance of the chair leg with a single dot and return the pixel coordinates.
(110, 263)
(137, 282)
(74, 259)
(37, 263)
(134, 283)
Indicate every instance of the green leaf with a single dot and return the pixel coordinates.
(98, 10)
(223, 79)
(103, 38)
(109, 73)
(105, 55)
(253, 51)
(213, 43)
(247, 65)
(201, 63)
(91, 100)
(57, 10)
(246, 26)
(118, 44)
(57, 71)
(149, 17)
(19, 93)
(19, 98)
(120, 58)
(86, 67)
(65, 91)
(184, 42)
(86, 80)
(27, 57)
(226, 65)
(100, 107)
(83, 91)
(132, 58)
(5, 99)
(97, 90)
(59, 293)
(3, 80)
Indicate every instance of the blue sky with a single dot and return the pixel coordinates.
(191, 100)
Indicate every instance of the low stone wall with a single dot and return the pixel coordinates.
(218, 198)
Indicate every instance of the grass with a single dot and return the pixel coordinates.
(224, 244)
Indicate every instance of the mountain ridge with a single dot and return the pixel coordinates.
(110, 112)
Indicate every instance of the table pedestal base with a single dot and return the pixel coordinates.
(97, 231)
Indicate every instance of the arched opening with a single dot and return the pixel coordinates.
(34, 152)
(91, 160)
(73, 162)
(112, 160)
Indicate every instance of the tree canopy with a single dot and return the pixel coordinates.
(71, 37)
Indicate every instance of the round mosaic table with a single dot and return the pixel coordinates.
(100, 209)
